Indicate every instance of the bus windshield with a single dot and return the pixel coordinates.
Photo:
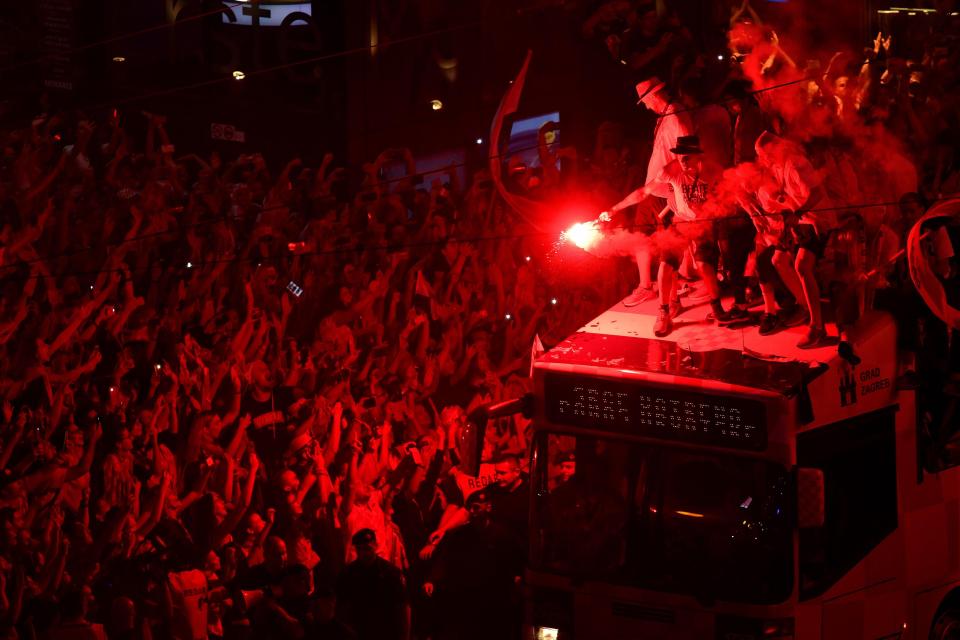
(662, 518)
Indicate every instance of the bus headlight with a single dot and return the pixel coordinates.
(737, 628)
(781, 628)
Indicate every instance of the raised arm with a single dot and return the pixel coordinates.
(83, 468)
(236, 515)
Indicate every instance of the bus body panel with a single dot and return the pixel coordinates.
(893, 591)
(602, 611)
(844, 391)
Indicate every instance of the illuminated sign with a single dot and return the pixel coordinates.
(657, 412)
(264, 14)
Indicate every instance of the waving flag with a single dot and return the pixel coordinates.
(924, 279)
(525, 208)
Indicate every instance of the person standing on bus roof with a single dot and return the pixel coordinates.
(672, 123)
(686, 182)
(794, 190)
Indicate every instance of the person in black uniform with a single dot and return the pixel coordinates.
(321, 623)
(510, 497)
(371, 594)
(474, 577)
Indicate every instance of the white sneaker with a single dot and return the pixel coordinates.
(638, 296)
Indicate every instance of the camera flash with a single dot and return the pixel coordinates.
(508, 316)
(553, 301)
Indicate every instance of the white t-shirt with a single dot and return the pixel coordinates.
(793, 181)
(188, 590)
(687, 192)
(665, 134)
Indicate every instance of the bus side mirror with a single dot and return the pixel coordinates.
(471, 442)
(472, 435)
(811, 499)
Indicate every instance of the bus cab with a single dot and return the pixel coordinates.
(719, 484)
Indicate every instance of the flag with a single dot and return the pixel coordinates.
(536, 351)
(423, 287)
(525, 208)
(424, 290)
(928, 285)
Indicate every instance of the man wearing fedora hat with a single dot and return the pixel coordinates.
(672, 123)
(686, 183)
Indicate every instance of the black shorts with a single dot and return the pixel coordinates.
(699, 236)
(642, 217)
(806, 237)
(706, 251)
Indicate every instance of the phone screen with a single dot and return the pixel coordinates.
(294, 288)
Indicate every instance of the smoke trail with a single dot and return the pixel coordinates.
(836, 114)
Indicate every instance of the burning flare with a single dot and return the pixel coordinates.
(583, 234)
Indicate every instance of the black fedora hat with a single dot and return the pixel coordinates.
(687, 145)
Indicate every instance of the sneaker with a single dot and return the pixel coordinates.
(815, 337)
(664, 324)
(770, 323)
(732, 315)
(676, 308)
(696, 294)
(685, 289)
(639, 295)
(794, 316)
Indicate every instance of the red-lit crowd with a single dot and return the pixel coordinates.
(232, 397)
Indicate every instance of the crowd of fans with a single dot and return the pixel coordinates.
(232, 398)
(222, 386)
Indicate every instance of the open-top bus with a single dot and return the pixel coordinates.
(731, 486)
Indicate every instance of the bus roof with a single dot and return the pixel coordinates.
(622, 338)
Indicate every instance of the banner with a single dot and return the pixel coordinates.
(928, 284)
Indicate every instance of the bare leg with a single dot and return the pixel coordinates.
(769, 298)
(805, 264)
(644, 259)
(666, 282)
(709, 274)
(788, 273)
(687, 265)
